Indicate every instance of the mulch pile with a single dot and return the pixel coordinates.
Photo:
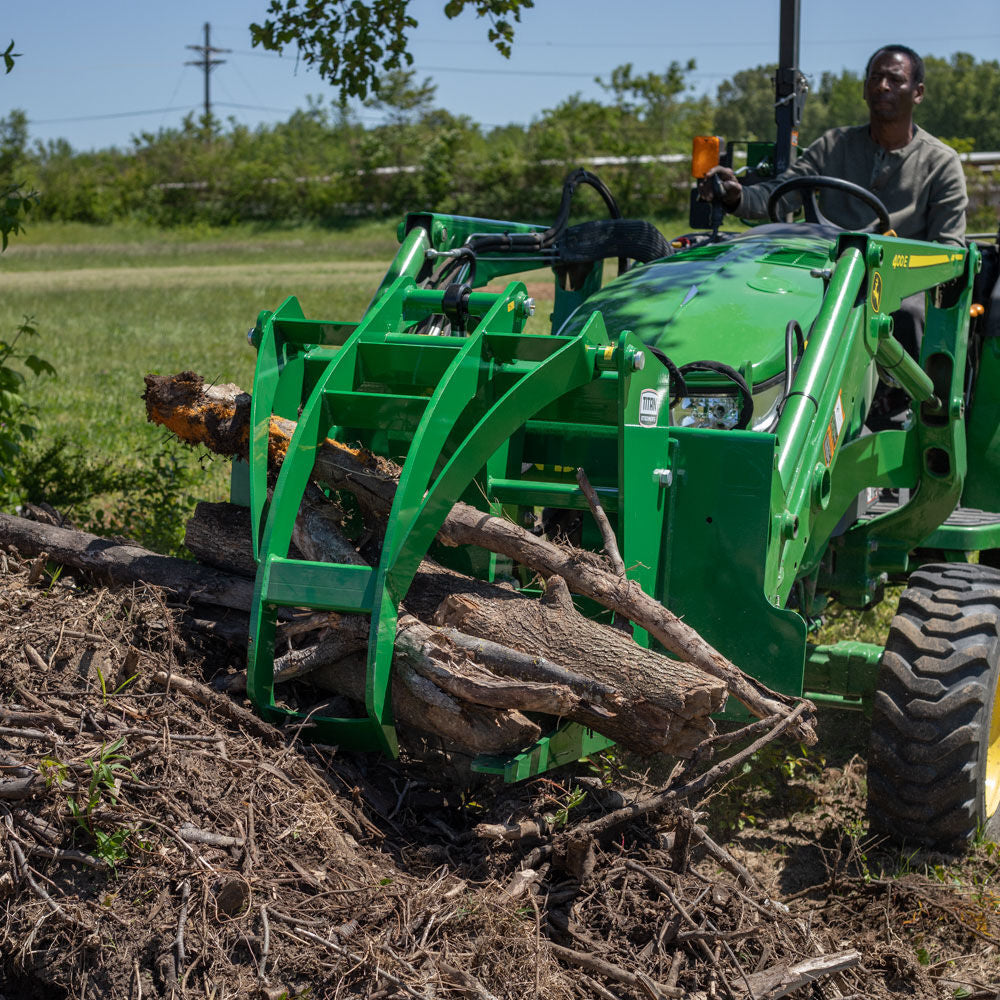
(158, 839)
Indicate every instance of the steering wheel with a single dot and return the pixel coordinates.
(811, 207)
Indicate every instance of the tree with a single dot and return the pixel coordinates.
(838, 100)
(745, 104)
(402, 99)
(352, 43)
(962, 100)
(652, 109)
(15, 201)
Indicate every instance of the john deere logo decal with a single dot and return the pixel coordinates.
(876, 291)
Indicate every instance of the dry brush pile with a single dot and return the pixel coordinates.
(161, 840)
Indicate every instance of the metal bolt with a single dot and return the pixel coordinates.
(250, 334)
(821, 272)
(529, 307)
(663, 477)
(638, 361)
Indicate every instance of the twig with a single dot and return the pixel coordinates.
(780, 980)
(195, 836)
(212, 699)
(25, 869)
(462, 980)
(78, 857)
(658, 882)
(34, 658)
(266, 943)
(181, 921)
(724, 858)
(654, 803)
(21, 788)
(602, 991)
(607, 534)
(610, 971)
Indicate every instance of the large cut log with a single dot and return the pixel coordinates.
(469, 692)
(218, 417)
(636, 697)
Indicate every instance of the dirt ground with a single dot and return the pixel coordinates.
(157, 839)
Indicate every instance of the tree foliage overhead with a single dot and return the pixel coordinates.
(354, 43)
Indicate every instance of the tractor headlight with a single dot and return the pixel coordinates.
(721, 412)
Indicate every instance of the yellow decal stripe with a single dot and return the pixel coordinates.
(930, 260)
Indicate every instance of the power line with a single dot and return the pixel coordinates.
(116, 114)
(207, 64)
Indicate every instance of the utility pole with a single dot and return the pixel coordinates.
(207, 63)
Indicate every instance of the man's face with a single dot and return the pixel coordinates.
(890, 92)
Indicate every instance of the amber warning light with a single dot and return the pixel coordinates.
(705, 154)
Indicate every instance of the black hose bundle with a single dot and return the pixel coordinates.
(634, 239)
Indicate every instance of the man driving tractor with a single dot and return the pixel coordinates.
(917, 177)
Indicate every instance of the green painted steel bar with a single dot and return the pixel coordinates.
(419, 507)
(872, 549)
(535, 493)
(840, 701)
(571, 366)
(272, 376)
(312, 426)
(324, 586)
(846, 669)
(571, 430)
(892, 356)
(570, 743)
(410, 260)
(477, 391)
(814, 376)
(964, 537)
(457, 388)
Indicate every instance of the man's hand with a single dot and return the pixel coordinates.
(720, 183)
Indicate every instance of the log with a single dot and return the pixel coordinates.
(218, 417)
(654, 705)
(119, 562)
(555, 628)
(438, 685)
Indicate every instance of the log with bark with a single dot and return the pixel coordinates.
(467, 690)
(218, 417)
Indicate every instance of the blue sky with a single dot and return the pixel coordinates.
(99, 72)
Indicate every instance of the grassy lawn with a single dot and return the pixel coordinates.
(111, 305)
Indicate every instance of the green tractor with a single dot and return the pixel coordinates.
(719, 392)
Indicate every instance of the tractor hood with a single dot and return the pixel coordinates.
(728, 302)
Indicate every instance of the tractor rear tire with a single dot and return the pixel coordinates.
(934, 760)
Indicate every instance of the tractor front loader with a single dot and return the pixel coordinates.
(719, 393)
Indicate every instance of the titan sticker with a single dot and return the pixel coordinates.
(649, 407)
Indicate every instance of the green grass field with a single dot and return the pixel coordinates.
(112, 305)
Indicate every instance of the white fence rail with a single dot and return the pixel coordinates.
(983, 160)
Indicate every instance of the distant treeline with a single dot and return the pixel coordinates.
(322, 164)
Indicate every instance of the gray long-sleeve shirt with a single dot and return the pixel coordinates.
(922, 185)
